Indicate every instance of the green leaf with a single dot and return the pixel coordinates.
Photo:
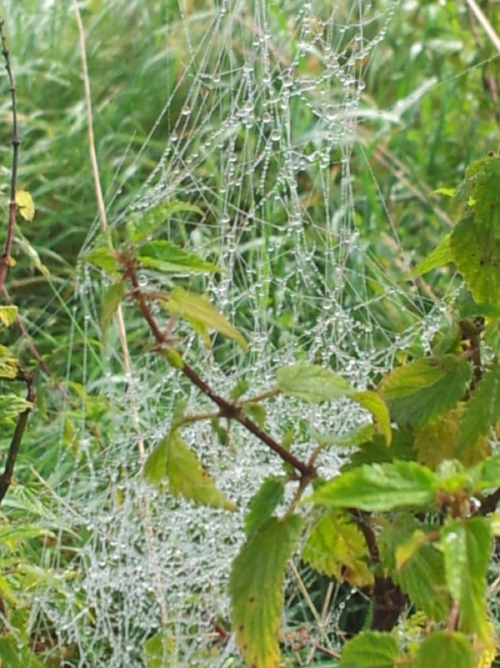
(336, 547)
(312, 383)
(155, 468)
(419, 574)
(349, 439)
(448, 192)
(264, 503)
(379, 487)
(376, 451)
(377, 407)
(187, 477)
(424, 390)
(482, 411)
(470, 310)
(440, 256)
(11, 406)
(9, 365)
(104, 258)
(167, 257)
(159, 650)
(197, 309)
(475, 239)
(371, 649)
(8, 315)
(256, 589)
(112, 300)
(14, 655)
(467, 546)
(445, 649)
(141, 225)
(256, 412)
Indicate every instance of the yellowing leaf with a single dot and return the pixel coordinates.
(8, 315)
(377, 407)
(25, 204)
(256, 589)
(198, 310)
(335, 546)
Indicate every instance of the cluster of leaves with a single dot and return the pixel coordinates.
(411, 519)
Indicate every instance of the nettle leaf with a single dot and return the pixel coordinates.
(173, 458)
(467, 547)
(312, 383)
(141, 225)
(349, 439)
(424, 390)
(8, 315)
(482, 411)
(375, 451)
(8, 364)
(198, 309)
(112, 300)
(104, 258)
(264, 503)
(379, 487)
(371, 649)
(445, 649)
(25, 204)
(255, 411)
(167, 257)
(256, 589)
(416, 565)
(440, 256)
(335, 546)
(475, 239)
(160, 649)
(377, 407)
(438, 441)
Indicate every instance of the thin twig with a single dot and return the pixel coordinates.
(5, 259)
(15, 443)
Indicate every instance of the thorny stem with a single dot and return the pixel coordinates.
(5, 259)
(15, 444)
(229, 410)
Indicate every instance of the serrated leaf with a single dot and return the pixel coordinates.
(467, 548)
(25, 205)
(378, 487)
(8, 315)
(349, 439)
(110, 305)
(336, 547)
(188, 478)
(424, 390)
(374, 403)
(264, 503)
(475, 239)
(14, 655)
(371, 649)
(167, 257)
(197, 308)
(437, 442)
(420, 574)
(104, 258)
(375, 451)
(440, 256)
(256, 589)
(482, 411)
(141, 225)
(445, 649)
(312, 383)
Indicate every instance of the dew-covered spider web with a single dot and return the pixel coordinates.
(264, 106)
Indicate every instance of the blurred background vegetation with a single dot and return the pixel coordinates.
(430, 106)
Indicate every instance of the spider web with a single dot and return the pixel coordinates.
(263, 113)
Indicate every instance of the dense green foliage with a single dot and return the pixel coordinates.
(410, 523)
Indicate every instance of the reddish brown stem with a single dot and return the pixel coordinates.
(228, 409)
(5, 260)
